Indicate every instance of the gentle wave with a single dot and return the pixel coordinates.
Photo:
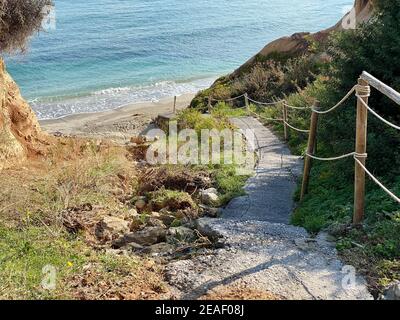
(112, 98)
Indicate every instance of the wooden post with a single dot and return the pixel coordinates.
(209, 105)
(285, 119)
(361, 148)
(175, 105)
(246, 101)
(312, 138)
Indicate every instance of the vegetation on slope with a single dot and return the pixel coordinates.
(375, 247)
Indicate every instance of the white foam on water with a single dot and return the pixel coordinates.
(112, 98)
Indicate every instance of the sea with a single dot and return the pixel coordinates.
(97, 55)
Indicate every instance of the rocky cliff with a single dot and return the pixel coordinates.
(298, 43)
(20, 134)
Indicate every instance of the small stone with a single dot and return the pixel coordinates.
(181, 234)
(111, 226)
(160, 249)
(140, 204)
(154, 222)
(210, 211)
(205, 230)
(145, 237)
(210, 197)
(155, 215)
(133, 213)
(167, 219)
(133, 247)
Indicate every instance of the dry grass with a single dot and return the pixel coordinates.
(74, 173)
(87, 177)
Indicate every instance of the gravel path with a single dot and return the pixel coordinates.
(262, 252)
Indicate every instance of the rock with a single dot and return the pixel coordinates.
(181, 234)
(306, 244)
(210, 211)
(132, 213)
(20, 133)
(167, 219)
(391, 292)
(110, 227)
(145, 237)
(140, 203)
(206, 230)
(160, 249)
(133, 247)
(155, 215)
(155, 222)
(211, 190)
(210, 197)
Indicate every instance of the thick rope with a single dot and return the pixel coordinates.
(296, 129)
(377, 115)
(265, 103)
(352, 154)
(390, 193)
(263, 117)
(228, 100)
(338, 104)
(296, 108)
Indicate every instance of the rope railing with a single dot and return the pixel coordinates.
(265, 103)
(347, 96)
(296, 129)
(362, 91)
(390, 193)
(344, 156)
(378, 116)
(263, 117)
(296, 108)
(228, 100)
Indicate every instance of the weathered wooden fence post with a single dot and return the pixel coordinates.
(175, 105)
(312, 138)
(285, 119)
(361, 149)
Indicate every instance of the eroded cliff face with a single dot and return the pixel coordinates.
(298, 43)
(20, 134)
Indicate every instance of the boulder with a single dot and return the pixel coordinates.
(210, 211)
(146, 237)
(209, 197)
(181, 234)
(202, 225)
(110, 227)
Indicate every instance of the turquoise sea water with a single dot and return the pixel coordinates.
(107, 53)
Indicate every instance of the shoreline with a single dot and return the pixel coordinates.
(118, 124)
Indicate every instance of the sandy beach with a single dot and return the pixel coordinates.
(119, 124)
